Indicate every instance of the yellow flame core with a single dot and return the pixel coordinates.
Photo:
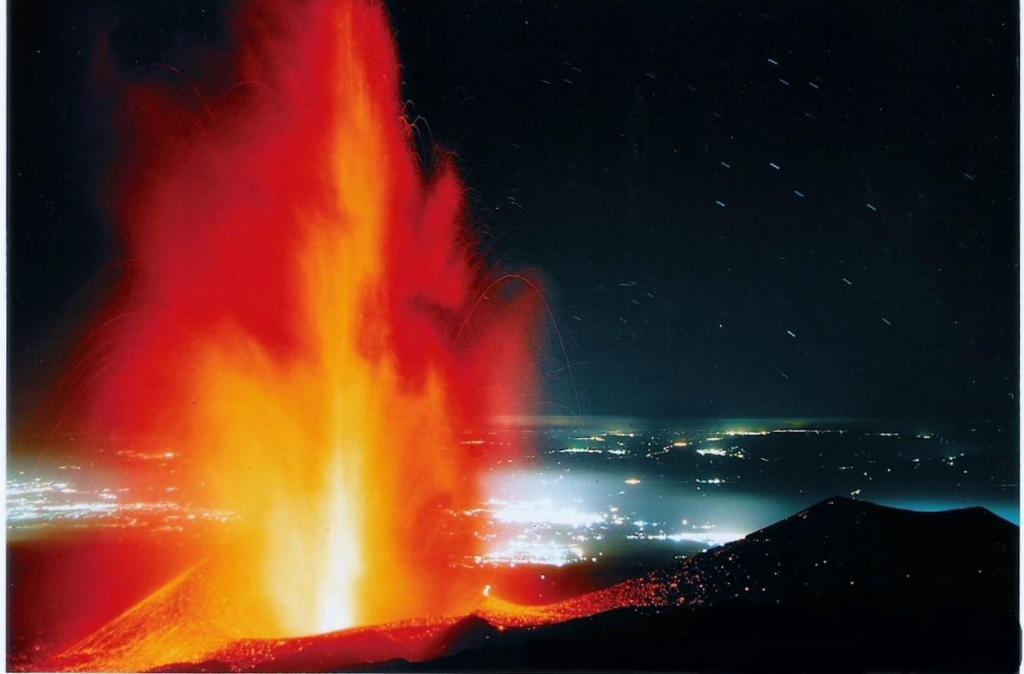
(300, 446)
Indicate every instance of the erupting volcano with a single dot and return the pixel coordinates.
(307, 322)
(286, 394)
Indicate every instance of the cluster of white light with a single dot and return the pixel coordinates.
(540, 553)
(35, 503)
(580, 450)
(710, 539)
(543, 511)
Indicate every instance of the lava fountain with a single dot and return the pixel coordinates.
(306, 320)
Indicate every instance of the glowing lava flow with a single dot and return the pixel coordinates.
(302, 322)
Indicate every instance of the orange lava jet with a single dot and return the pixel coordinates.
(305, 322)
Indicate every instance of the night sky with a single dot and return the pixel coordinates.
(738, 208)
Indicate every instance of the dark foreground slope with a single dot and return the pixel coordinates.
(844, 585)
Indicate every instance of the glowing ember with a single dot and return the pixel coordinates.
(307, 324)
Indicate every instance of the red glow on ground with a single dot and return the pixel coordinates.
(155, 632)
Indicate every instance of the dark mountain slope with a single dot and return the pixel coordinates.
(844, 585)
